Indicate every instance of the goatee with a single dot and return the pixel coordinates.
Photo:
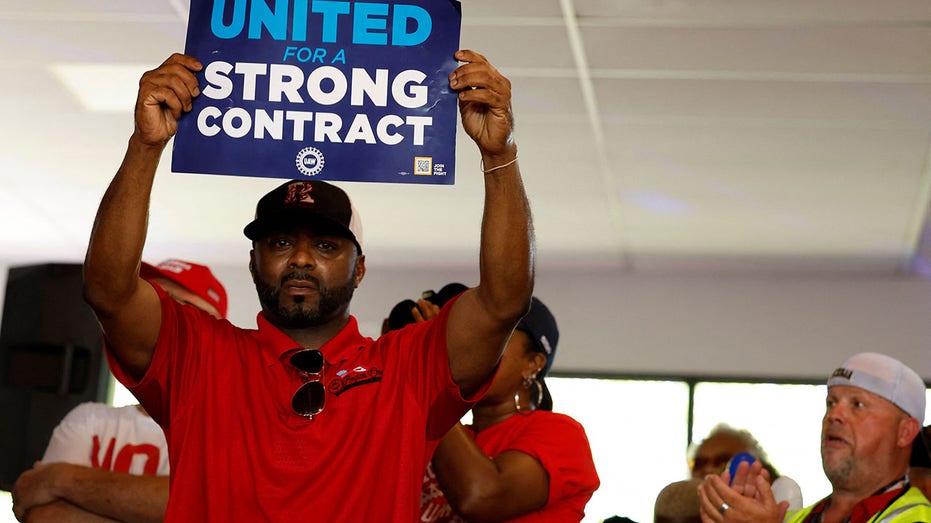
(301, 314)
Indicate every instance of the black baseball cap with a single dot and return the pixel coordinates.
(540, 325)
(402, 314)
(313, 203)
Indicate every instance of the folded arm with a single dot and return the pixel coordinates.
(89, 493)
(482, 489)
(62, 512)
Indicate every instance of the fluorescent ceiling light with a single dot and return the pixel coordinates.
(101, 87)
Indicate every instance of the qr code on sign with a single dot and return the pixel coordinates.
(423, 165)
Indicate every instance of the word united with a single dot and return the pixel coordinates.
(271, 100)
(369, 21)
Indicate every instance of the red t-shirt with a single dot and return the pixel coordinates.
(557, 441)
(239, 453)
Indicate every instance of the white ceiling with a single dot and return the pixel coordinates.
(663, 135)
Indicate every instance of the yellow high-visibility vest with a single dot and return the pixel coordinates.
(911, 507)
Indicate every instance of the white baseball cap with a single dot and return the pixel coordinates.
(886, 377)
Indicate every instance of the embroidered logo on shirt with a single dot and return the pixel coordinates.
(346, 380)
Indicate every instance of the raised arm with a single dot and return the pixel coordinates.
(90, 492)
(483, 318)
(126, 306)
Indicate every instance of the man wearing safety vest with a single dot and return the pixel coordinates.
(875, 410)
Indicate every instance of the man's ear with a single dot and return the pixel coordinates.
(360, 269)
(908, 430)
(252, 265)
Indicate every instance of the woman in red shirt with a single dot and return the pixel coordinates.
(518, 461)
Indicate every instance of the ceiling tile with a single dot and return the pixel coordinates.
(510, 9)
(897, 51)
(757, 12)
(520, 46)
(838, 103)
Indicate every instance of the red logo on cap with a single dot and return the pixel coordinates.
(299, 192)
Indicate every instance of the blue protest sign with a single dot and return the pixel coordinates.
(325, 89)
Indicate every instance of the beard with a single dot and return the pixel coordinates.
(838, 471)
(302, 313)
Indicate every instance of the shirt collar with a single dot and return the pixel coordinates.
(275, 343)
(866, 508)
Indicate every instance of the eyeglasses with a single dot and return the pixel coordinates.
(308, 400)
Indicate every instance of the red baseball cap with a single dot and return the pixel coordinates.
(193, 277)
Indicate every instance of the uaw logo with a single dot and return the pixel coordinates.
(309, 161)
(346, 380)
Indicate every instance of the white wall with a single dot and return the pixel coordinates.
(753, 326)
(781, 327)
(744, 326)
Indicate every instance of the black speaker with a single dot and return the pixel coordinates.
(51, 359)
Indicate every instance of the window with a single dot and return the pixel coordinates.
(638, 432)
(785, 419)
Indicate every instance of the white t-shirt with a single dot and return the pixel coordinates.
(117, 439)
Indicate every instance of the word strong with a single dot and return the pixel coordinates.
(321, 21)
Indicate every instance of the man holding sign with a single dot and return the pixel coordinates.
(304, 418)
